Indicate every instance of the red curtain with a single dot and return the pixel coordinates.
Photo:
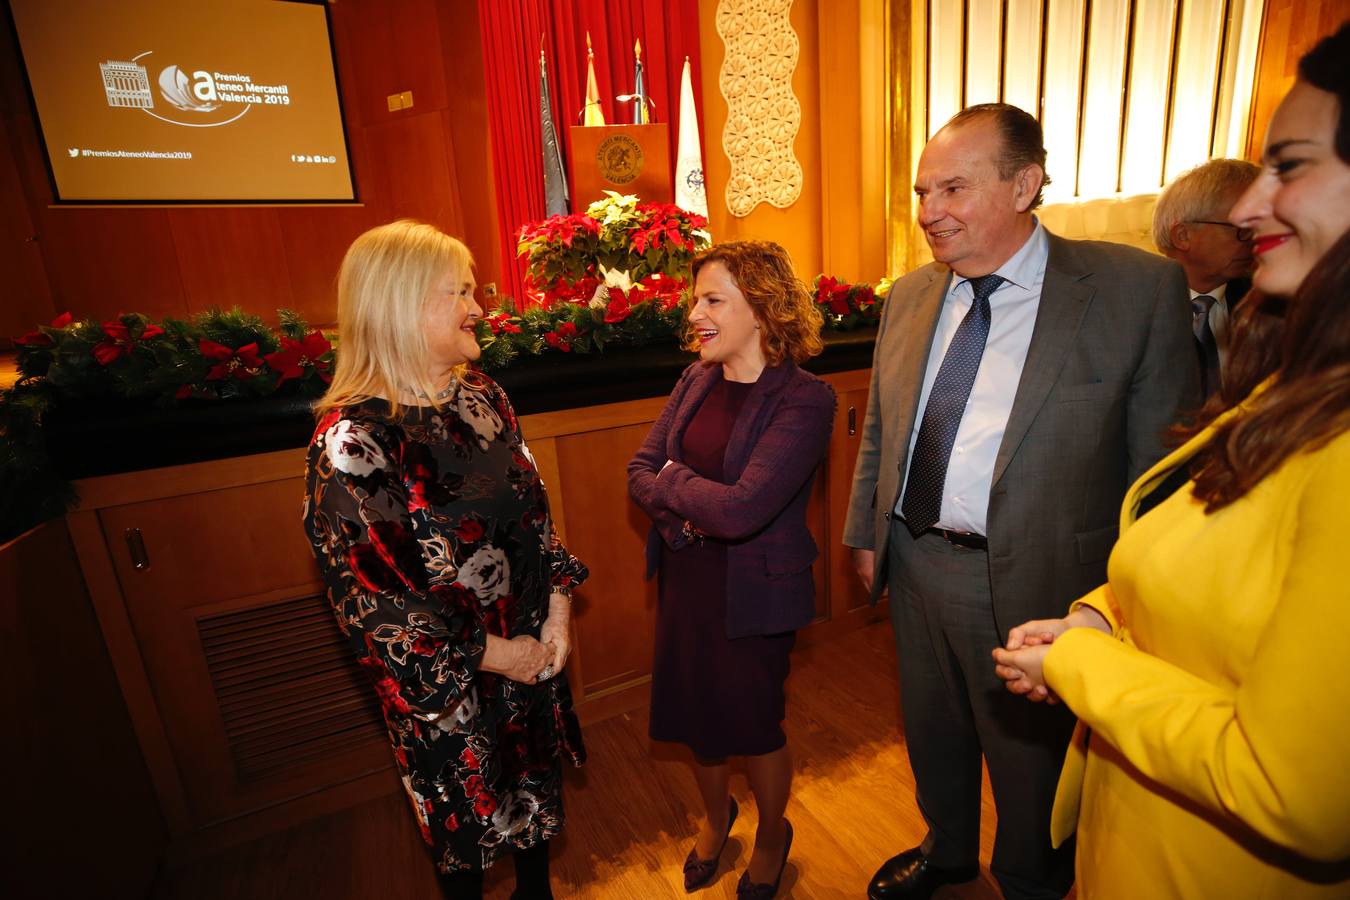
(512, 32)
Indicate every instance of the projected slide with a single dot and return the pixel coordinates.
(146, 100)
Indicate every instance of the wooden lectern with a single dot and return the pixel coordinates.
(628, 159)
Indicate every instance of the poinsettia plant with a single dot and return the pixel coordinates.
(619, 242)
(846, 305)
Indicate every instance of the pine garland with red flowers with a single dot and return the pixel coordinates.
(235, 355)
(215, 356)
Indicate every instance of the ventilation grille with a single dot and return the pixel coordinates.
(288, 688)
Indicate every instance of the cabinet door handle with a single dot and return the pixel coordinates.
(140, 560)
(852, 420)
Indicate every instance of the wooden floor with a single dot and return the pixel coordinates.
(632, 811)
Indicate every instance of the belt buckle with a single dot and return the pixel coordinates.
(959, 539)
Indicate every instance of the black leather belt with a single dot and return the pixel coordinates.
(961, 538)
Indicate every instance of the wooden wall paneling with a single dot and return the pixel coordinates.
(411, 170)
(225, 557)
(846, 591)
(392, 47)
(467, 121)
(62, 701)
(232, 257)
(798, 227)
(1289, 29)
(101, 262)
(28, 299)
(105, 593)
(616, 609)
(190, 478)
(315, 240)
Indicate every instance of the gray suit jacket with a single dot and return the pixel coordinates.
(1110, 365)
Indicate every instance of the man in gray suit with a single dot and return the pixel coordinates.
(1020, 383)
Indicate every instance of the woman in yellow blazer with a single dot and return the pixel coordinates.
(1211, 674)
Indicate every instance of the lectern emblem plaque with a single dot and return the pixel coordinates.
(619, 159)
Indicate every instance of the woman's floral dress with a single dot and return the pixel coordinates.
(432, 532)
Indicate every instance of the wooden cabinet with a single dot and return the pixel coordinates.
(246, 703)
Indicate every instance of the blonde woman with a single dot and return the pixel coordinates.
(432, 529)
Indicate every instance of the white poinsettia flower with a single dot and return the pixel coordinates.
(487, 574)
(616, 279)
(352, 449)
(616, 207)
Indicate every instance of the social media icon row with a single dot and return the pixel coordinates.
(309, 158)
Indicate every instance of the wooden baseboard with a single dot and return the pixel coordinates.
(221, 836)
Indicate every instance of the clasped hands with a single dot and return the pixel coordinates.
(1021, 662)
(528, 660)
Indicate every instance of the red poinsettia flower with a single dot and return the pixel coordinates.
(38, 338)
(119, 341)
(295, 357)
(241, 364)
(618, 308)
(561, 339)
(499, 323)
(833, 293)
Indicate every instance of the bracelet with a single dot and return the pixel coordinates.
(691, 534)
(564, 591)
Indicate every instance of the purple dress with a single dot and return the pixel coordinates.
(721, 697)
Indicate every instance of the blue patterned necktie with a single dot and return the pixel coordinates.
(922, 503)
(1209, 347)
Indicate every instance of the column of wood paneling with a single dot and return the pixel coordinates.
(1290, 29)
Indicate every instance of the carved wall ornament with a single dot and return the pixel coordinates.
(763, 115)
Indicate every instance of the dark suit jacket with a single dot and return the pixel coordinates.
(1110, 363)
(770, 463)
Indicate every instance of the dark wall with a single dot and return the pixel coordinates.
(430, 162)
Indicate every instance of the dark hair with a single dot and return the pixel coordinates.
(1327, 67)
(789, 319)
(1023, 140)
(1307, 403)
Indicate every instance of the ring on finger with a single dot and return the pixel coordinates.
(545, 673)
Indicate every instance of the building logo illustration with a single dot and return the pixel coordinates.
(126, 85)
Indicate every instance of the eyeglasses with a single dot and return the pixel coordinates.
(1242, 234)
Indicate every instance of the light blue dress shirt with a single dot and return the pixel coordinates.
(1013, 307)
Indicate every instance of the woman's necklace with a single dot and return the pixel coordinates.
(445, 394)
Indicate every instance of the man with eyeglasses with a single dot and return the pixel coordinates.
(1190, 225)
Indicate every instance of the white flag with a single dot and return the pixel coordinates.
(689, 191)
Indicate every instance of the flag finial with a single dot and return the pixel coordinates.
(637, 47)
(589, 51)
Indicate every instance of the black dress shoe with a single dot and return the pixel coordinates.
(910, 876)
(699, 872)
(752, 890)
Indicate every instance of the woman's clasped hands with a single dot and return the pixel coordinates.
(1020, 663)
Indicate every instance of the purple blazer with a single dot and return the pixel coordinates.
(779, 439)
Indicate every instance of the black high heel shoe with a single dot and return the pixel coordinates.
(699, 872)
(749, 890)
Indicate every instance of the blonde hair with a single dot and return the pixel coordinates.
(383, 287)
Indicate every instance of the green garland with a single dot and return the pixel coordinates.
(234, 355)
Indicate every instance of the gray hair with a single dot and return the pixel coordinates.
(1194, 194)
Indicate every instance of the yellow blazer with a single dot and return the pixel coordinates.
(1218, 762)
